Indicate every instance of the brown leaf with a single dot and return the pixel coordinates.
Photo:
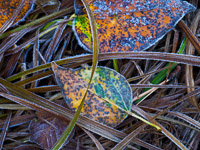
(47, 130)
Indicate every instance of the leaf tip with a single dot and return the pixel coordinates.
(54, 66)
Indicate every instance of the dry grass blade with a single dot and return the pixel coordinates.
(96, 142)
(4, 130)
(8, 43)
(54, 43)
(34, 78)
(38, 103)
(172, 138)
(147, 145)
(176, 122)
(122, 144)
(42, 89)
(17, 120)
(189, 78)
(168, 57)
(161, 86)
(13, 107)
(186, 118)
(147, 93)
(193, 39)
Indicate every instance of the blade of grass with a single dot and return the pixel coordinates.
(72, 123)
(35, 102)
(193, 39)
(115, 65)
(168, 57)
(13, 107)
(96, 142)
(4, 130)
(189, 75)
(162, 75)
(186, 118)
(192, 121)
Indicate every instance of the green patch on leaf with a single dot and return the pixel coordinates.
(108, 88)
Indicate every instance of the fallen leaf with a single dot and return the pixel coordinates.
(47, 130)
(107, 84)
(8, 8)
(125, 25)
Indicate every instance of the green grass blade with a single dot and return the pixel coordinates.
(162, 75)
(115, 65)
(72, 123)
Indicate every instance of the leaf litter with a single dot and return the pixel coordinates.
(18, 134)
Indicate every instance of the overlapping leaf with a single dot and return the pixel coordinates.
(107, 84)
(47, 130)
(8, 8)
(125, 25)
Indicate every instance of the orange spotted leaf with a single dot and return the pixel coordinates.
(9, 7)
(107, 88)
(128, 25)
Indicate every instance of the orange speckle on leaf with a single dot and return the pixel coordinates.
(9, 7)
(107, 86)
(167, 19)
(150, 19)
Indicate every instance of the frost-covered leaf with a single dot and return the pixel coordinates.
(46, 130)
(107, 84)
(128, 25)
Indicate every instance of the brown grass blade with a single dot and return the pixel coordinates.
(168, 57)
(96, 142)
(193, 39)
(18, 120)
(54, 43)
(35, 102)
(186, 118)
(4, 130)
(189, 69)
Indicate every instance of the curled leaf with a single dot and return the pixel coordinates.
(125, 25)
(106, 84)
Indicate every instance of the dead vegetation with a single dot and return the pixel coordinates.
(165, 85)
